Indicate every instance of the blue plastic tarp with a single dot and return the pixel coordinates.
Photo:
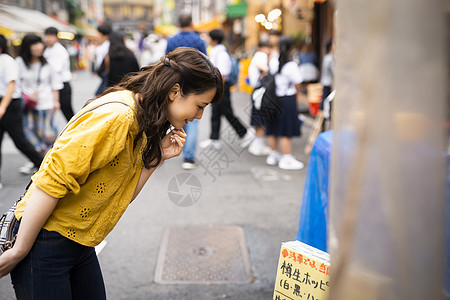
(312, 227)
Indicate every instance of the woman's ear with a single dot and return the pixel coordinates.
(174, 91)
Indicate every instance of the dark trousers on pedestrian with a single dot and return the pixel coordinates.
(65, 99)
(12, 123)
(58, 268)
(103, 84)
(325, 92)
(224, 109)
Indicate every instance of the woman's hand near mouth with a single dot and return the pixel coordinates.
(172, 144)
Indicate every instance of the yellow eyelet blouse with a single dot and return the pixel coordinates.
(93, 170)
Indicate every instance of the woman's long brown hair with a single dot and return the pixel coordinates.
(188, 67)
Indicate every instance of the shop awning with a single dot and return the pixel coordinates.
(25, 20)
(9, 25)
(237, 10)
(166, 30)
(208, 26)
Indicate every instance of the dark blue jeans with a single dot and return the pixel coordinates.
(58, 268)
(190, 145)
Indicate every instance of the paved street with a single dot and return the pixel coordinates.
(264, 201)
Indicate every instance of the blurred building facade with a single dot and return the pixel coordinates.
(86, 13)
(81, 13)
(129, 14)
(309, 21)
(159, 15)
(56, 8)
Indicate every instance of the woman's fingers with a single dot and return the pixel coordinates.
(179, 140)
(175, 144)
(182, 133)
(179, 132)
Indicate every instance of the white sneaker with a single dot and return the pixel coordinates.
(188, 164)
(273, 158)
(210, 143)
(259, 150)
(248, 138)
(288, 162)
(27, 168)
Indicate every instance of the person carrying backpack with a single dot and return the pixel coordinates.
(258, 68)
(222, 60)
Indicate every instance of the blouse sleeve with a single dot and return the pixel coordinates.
(87, 145)
(224, 63)
(12, 68)
(293, 72)
(55, 80)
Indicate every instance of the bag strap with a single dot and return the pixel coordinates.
(89, 110)
(38, 81)
(67, 125)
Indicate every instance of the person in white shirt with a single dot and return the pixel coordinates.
(259, 65)
(286, 125)
(58, 57)
(258, 68)
(221, 59)
(11, 107)
(326, 78)
(39, 82)
(102, 49)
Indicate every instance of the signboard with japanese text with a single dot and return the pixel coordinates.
(303, 273)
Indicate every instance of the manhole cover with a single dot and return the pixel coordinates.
(203, 254)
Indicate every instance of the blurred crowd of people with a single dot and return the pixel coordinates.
(147, 48)
(36, 83)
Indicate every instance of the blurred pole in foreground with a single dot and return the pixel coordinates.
(388, 193)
